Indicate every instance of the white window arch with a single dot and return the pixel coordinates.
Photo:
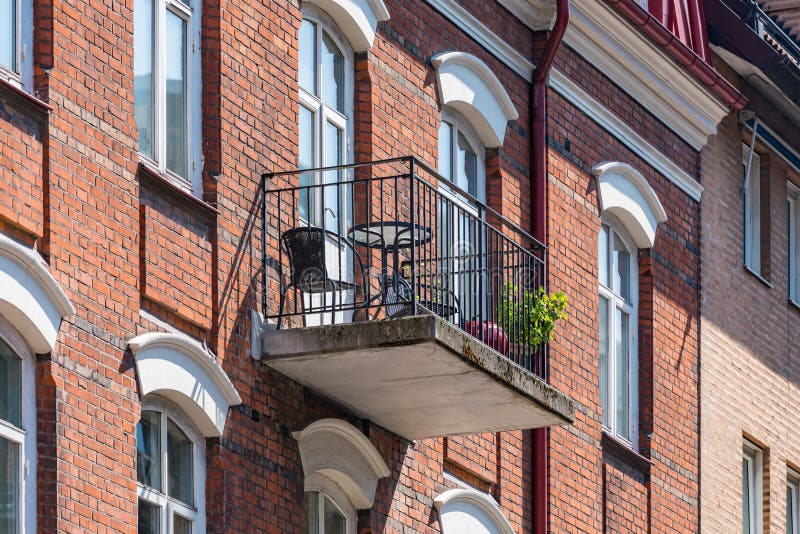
(17, 433)
(170, 470)
(470, 511)
(325, 76)
(618, 310)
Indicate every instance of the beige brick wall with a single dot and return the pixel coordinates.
(750, 337)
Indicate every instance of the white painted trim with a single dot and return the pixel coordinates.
(625, 193)
(538, 15)
(625, 134)
(356, 19)
(326, 487)
(469, 86)
(180, 369)
(448, 501)
(476, 29)
(31, 299)
(337, 450)
(643, 70)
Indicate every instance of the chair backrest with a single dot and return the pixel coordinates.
(306, 250)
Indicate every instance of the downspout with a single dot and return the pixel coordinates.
(539, 203)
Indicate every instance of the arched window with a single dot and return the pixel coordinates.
(462, 157)
(618, 325)
(326, 508)
(17, 436)
(170, 471)
(325, 66)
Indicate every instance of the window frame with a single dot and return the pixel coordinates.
(631, 308)
(24, 437)
(324, 112)
(753, 456)
(793, 500)
(169, 506)
(752, 233)
(793, 206)
(21, 75)
(326, 487)
(461, 125)
(191, 15)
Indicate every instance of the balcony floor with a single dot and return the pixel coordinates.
(419, 377)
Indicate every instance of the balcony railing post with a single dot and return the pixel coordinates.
(412, 172)
(264, 258)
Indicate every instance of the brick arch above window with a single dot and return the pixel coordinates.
(469, 86)
(356, 19)
(625, 193)
(179, 369)
(31, 298)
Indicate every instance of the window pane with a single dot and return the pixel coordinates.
(752, 229)
(10, 385)
(622, 262)
(745, 497)
(602, 255)
(307, 56)
(180, 459)
(8, 34)
(334, 520)
(149, 518)
(604, 368)
(789, 511)
(445, 148)
(306, 150)
(334, 143)
(148, 450)
(622, 379)
(466, 166)
(311, 513)
(181, 525)
(332, 74)
(176, 95)
(143, 91)
(9, 486)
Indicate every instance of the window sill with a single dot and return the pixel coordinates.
(624, 452)
(154, 179)
(758, 276)
(25, 102)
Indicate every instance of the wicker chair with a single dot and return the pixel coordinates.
(306, 251)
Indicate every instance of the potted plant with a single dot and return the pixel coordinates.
(529, 317)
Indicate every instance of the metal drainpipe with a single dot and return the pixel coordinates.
(539, 203)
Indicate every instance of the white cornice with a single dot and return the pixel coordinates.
(644, 71)
(535, 14)
(473, 27)
(624, 133)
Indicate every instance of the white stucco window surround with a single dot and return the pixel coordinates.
(336, 450)
(30, 298)
(356, 19)
(470, 87)
(625, 193)
(472, 511)
(178, 368)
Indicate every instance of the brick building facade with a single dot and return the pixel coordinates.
(148, 386)
(750, 323)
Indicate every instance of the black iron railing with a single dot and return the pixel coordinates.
(392, 238)
(773, 32)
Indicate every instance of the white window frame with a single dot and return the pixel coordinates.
(752, 213)
(25, 437)
(631, 308)
(326, 487)
(192, 15)
(21, 75)
(168, 505)
(324, 112)
(752, 457)
(794, 242)
(793, 501)
(460, 125)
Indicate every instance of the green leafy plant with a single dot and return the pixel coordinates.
(529, 317)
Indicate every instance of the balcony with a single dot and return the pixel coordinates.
(405, 299)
